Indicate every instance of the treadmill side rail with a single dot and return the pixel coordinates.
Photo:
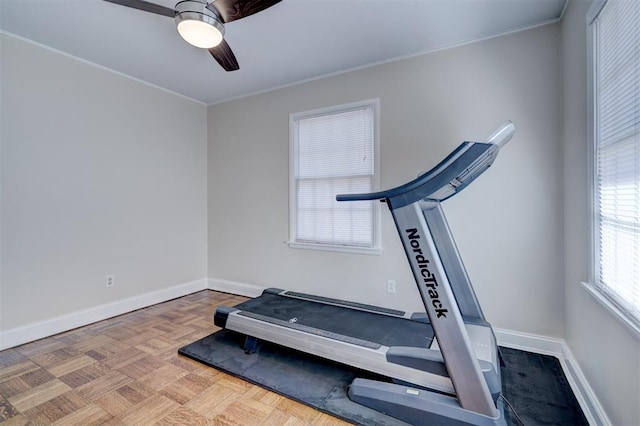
(336, 349)
(419, 358)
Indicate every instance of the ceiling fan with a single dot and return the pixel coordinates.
(201, 23)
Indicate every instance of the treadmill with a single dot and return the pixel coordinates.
(443, 365)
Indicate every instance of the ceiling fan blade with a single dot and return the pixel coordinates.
(225, 57)
(231, 10)
(145, 6)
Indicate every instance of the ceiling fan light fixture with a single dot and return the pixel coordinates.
(197, 25)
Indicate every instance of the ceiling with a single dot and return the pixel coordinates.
(293, 41)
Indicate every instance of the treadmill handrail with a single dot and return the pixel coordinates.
(431, 182)
(449, 176)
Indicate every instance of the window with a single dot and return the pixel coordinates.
(615, 28)
(334, 151)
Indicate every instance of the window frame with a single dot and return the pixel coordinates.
(600, 294)
(376, 249)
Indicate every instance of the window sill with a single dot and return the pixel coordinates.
(376, 251)
(631, 326)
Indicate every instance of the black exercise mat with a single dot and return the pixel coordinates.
(534, 384)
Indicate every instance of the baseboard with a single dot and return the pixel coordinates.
(233, 287)
(39, 330)
(529, 342)
(591, 407)
(587, 399)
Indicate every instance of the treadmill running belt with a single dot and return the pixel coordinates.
(381, 329)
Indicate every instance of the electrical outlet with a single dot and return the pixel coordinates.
(391, 286)
(109, 280)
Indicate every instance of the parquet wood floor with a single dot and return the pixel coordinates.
(126, 371)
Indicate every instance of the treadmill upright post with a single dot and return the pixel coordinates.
(459, 357)
(453, 265)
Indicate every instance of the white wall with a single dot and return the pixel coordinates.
(104, 175)
(608, 354)
(508, 224)
(100, 175)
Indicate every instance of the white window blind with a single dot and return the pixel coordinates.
(333, 152)
(617, 153)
